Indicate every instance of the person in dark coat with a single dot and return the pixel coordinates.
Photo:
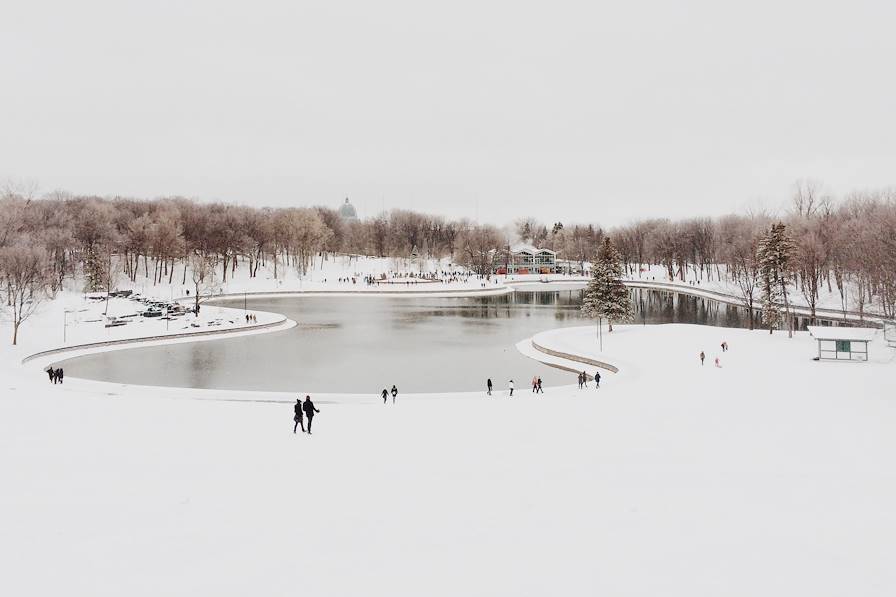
(597, 379)
(489, 386)
(538, 385)
(52, 373)
(394, 393)
(309, 409)
(584, 379)
(297, 407)
(385, 395)
(59, 374)
(702, 356)
(580, 380)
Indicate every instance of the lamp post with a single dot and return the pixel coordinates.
(65, 313)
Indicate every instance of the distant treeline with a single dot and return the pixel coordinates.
(848, 246)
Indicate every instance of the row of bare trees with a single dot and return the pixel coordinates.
(848, 248)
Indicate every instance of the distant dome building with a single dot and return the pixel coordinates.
(347, 211)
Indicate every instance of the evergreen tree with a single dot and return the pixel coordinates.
(606, 296)
(775, 255)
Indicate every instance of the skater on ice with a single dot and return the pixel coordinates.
(510, 385)
(488, 384)
(394, 393)
(702, 356)
(596, 380)
(385, 395)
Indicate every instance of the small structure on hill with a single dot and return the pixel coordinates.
(842, 343)
(347, 212)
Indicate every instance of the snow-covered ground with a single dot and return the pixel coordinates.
(342, 273)
(770, 475)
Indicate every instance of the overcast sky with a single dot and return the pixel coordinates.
(573, 111)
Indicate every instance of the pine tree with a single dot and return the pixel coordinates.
(775, 256)
(771, 314)
(606, 296)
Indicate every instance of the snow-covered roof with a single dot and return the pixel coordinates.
(530, 249)
(841, 333)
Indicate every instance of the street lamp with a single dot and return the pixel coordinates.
(65, 313)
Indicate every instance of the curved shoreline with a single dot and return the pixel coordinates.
(450, 292)
(280, 323)
(728, 299)
(283, 323)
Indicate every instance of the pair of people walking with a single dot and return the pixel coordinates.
(56, 375)
(536, 385)
(309, 410)
(393, 391)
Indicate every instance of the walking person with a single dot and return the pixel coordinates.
(580, 380)
(535, 384)
(724, 346)
(597, 380)
(52, 373)
(394, 393)
(385, 395)
(718, 364)
(584, 379)
(540, 389)
(59, 374)
(297, 418)
(488, 384)
(510, 385)
(702, 356)
(309, 409)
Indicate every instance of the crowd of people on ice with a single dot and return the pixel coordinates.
(412, 278)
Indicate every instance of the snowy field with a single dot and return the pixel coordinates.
(771, 475)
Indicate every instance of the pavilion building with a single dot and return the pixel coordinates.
(526, 259)
(842, 343)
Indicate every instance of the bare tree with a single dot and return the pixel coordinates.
(25, 280)
(202, 273)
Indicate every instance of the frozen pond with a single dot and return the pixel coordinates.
(361, 344)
